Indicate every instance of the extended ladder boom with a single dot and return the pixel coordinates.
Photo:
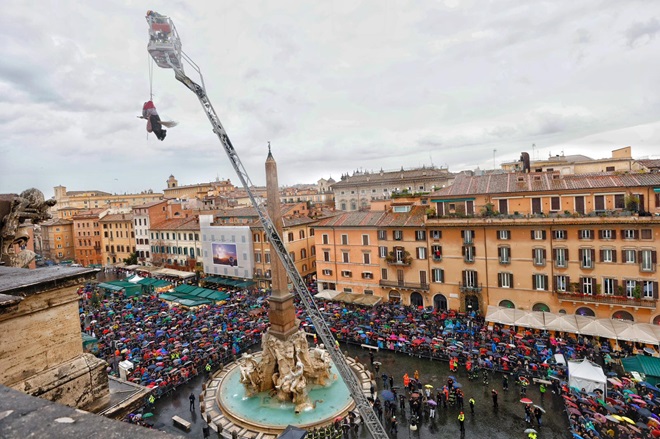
(363, 405)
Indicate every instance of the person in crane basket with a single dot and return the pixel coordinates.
(154, 125)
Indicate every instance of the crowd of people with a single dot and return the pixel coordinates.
(168, 345)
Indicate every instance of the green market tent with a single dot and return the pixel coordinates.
(234, 283)
(190, 295)
(129, 289)
(649, 366)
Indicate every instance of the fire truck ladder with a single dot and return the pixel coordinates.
(363, 405)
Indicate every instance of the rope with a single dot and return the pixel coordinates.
(150, 61)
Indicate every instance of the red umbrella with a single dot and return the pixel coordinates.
(527, 401)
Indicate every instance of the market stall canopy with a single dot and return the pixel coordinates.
(174, 273)
(235, 283)
(129, 289)
(649, 366)
(561, 322)
(530, 319)
(599, 327)
(200, 293)
(358, 299)
(327, 294)
(586, 375)
(131, 267)
(501, 315)
(134, 279)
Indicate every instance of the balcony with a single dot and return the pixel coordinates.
(606, 299)
(399, 259)
(470, 288)
(404, 285)
(437, 258)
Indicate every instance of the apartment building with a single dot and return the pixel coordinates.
(143, 216)
(357, 191)
(569, 244)
(57, 240)
(87, 237)
(95, 199)
(117, 237)
(175, 242)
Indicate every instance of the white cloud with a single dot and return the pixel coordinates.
(334, 86)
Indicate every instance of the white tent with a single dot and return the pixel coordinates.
(586, 375)
(561, 322)
(599, 327)
(638, 332)
(530, 319)
(327, 294)
(501, 315)
(134, 279)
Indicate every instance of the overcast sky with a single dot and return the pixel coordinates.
(334, 86)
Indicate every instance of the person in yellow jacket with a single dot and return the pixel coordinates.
(531, 435)
(461, 421)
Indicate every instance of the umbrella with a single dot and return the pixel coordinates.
(458, 385)
(428, 386)
(147, 415)
(387, 395)
(432, 403)
(526, 401)
(377, 363)
(539, 407)
(530, 430)
(612, 418)
(628, 420)
(574, 411)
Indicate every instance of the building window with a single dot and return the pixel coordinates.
(344, 239)
(437, 275)
(619, 201)
(629, 256)
(555, 203)
(468, 236)
(630, 234)
(382, 235)
(398, 235)
(504, 255)
(505, 280)
(325, 239)
(609, 286)
(366, 258)
(436, 234)
(346, 273)
(587, 258)
(382, 252)
(369, 292)
(469, 207)
(538, 235)
(539, 256)
(561, 257)
(470, 278)
(365, 239)
(383, 273)
(559, 234)
(367, 275)
(607, 234)
(647, 260)
(326, 256)
(503, 206)
(599, 202)
(540, 282)
(436, 250)
(536, 206)
(303, 253)
(646, 234)
(630, 288)
(649, 289)
(420, 235)
(504, 235)
(561, 283)
(267, 257)
(587, 285)
(345, 257)
(327, 272)
(607, 255)
(586, 234)
(468, 253)
(421, 252)
(257, 256)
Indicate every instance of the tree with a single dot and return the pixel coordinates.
(132, 259)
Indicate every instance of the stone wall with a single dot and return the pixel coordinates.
(42, 333)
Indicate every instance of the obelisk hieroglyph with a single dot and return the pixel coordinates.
(282, 313)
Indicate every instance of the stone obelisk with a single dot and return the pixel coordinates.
(282, 313)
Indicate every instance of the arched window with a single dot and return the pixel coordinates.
(290, 237)
(304, 267)
(301, 234)
(312, 250)
(541, 307)
(623, 315)
(507, 304)
(416, 299)
(584, 311)
(395, 296)
(303, 253)
(343, 206)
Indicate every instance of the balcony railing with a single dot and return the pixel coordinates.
(404, 285)
(403, 262)
(606, 298)
(437, 258)
(470, 288)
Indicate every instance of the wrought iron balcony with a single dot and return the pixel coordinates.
(404, 285)
(606, 298)
(470, 288)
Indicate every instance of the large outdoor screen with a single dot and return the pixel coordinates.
(224, 254)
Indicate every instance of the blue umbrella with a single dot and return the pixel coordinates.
(387, 395)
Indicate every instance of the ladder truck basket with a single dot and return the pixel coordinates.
(164, 43)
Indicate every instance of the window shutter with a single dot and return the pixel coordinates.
(442, 275)
(566, 254)
(600, 234)
(440, 249)
(654, 256)
(499, 279)
(463, 251)
(554, 254)
(616, 286)
(554, 283)
(464, 277)
(545, 254)
(533, 281)
(593, 255)
(532, 234)
(543, 235)
(602, 255)
(533, 253)
(613, 255)
(474, 251)
(568, 283)
(655, 290)
(497, 233)
(636, 234)
(462, 233)
(613, 234)
(639, 256)
(499, 252)
(581, 254)
(511, 279)
(476, 278)
(623, 256)
(545, 284)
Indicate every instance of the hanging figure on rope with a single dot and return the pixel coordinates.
(154, 124)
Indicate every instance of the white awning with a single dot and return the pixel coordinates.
(327, 294)
(173, 273)
(501, 315)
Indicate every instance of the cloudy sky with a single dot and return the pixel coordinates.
(334, 86)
